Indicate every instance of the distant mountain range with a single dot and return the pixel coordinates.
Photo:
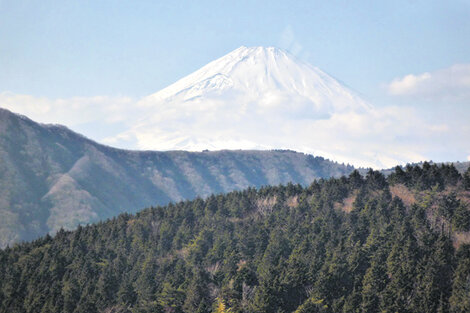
(52, 177)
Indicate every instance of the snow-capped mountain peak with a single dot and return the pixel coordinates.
(263, 75)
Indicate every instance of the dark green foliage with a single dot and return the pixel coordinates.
(460, 299)
(276, 249)
(461, 218)
(426, 176)
(466, 179)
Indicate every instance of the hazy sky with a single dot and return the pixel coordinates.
(103, 54)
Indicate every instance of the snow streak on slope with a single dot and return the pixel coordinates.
(263, 98)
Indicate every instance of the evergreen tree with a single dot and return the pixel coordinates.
(460, 299)
(466, 179)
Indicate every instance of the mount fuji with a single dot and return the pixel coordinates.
(261, 76)
(253, 98)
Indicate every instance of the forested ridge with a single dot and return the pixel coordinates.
(350, 244)
(52, 177)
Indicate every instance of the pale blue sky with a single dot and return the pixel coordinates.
(86, 48)
(406, 54)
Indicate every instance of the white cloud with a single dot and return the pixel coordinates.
(372, 137)
(449, 84)
(407, 84)
(288, 41)
(365, 136)
(70, 111)
(79, 113)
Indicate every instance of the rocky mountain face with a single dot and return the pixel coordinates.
(52, 177)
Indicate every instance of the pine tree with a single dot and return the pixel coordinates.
(461, 218)
(71, 294)
(466, 179)
(460, 299)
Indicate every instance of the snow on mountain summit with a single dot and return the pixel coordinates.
(266, 75)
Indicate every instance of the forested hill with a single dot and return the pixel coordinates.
(51, 177)
(352, 244)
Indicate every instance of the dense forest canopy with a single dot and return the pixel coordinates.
(350, 244)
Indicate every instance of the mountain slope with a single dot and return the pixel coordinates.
(51, 177)
(353, 244)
